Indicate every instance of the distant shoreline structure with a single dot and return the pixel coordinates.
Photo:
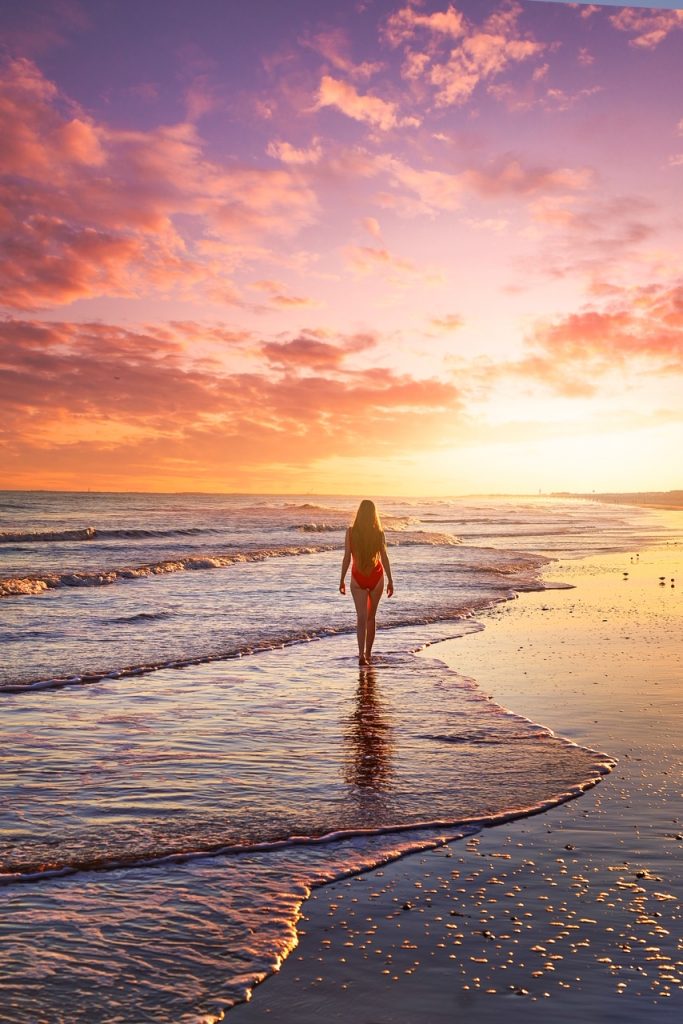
(672, 500)
(648, 499)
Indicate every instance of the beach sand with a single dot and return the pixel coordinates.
(574, 914)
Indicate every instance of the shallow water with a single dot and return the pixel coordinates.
(271, 757)
(270, 747)
(146, 580)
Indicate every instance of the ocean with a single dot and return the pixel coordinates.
(189, 746)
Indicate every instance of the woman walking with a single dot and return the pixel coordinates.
(366, 546)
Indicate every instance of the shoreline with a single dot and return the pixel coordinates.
(332, 970)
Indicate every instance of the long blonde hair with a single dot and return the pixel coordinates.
(366, 536)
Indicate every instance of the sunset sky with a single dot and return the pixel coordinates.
(366, 247)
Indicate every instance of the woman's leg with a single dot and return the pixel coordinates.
(373, 601)
(360, 599)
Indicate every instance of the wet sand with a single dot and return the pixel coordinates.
(572, 914)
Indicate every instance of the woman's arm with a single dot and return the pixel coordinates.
(346, 562)
(387, 567)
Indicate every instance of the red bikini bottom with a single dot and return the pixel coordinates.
(371, 581)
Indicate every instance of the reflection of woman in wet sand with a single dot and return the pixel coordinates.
(365, 544)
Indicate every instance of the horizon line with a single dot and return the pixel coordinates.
(340, 494)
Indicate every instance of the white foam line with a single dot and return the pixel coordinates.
(258, 647)
(603, 767)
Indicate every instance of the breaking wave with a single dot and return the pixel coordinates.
(320, 528)
(32, 585)
(91, 533)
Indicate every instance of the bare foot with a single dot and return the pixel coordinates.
(368, 659)
(362, 660)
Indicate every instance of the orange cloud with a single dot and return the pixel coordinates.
(641, 329)
(447, 324)
(646, 322)
(93, 399)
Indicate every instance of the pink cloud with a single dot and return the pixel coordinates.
(592, 238)
(371, 225)
(46, 260)
(201, 98)
(473, 54)
(50, 26)
(279, 296)
(38, 140)
(415, 65)
(334, 46)
(365, 259)
(560, 99)
(505, 177)
(480, 57)
(289, 154)
(405, 22)
(648, 28)
(372, 110)
(308, 353)
(89, 210)
(436, 190)
(508, 176)
(537, 93)
(148, 92)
